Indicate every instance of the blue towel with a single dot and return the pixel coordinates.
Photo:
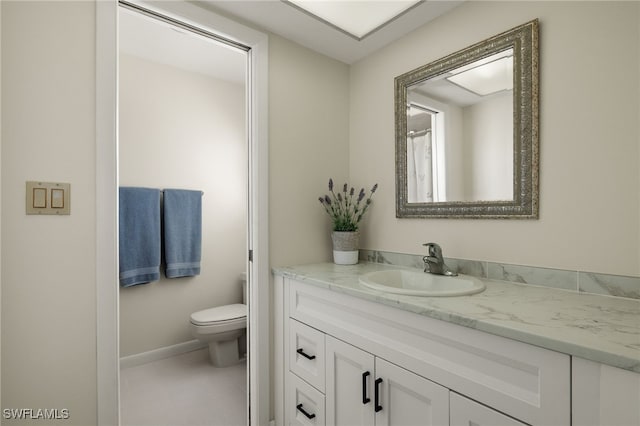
(182, 232)
(139, 215)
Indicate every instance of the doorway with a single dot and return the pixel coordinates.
(182, 125)
(192, 17)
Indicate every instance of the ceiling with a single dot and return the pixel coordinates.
(157, 41)
(290, 22)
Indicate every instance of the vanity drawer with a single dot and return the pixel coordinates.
(306, 353)
(304, 404)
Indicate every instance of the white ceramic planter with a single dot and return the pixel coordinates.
(345, 247)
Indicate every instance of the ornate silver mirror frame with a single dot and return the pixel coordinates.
(524, 205)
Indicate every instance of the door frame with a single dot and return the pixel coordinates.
(107, 309)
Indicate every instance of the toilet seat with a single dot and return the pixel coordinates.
(221, 315)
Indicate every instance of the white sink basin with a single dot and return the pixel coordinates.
(418, 283)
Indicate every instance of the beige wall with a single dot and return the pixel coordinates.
(181, 129)
(589, 138)
(488, 143)
(308, 144)
(48, 262)
(0, 207)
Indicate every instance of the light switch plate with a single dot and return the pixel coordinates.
(48, 198)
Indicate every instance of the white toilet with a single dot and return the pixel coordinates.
(222, 328)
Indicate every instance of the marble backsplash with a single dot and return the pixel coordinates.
(587, 282)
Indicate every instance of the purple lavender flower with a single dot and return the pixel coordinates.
(345, 211)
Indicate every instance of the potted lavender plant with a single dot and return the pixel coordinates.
(346, 211)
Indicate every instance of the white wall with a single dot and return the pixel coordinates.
(181, 129)
(48, 262)
(589, 138)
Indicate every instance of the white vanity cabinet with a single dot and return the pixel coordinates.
(339, 349)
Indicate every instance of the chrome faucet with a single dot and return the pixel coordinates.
(434, 262)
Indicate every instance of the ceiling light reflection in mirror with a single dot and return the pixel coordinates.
(491, 75)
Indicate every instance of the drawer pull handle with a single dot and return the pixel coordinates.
(365, 399)
(301, 352)
(378, 407)
(307, 415)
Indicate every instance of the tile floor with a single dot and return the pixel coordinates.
(184, 390)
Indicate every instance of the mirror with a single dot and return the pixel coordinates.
(467, 131)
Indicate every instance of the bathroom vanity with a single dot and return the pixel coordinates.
(511, 355)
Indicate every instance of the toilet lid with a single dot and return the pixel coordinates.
(219, 313)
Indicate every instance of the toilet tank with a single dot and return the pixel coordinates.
(243, 279)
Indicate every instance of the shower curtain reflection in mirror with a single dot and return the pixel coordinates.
(424, 155)
(419, 167)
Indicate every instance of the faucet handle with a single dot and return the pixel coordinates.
(433, 249)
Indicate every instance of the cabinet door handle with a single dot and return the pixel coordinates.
(301, 352)
(378, 407)
(302, 410)
(365, 399)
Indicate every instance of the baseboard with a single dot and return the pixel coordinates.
(160, 353)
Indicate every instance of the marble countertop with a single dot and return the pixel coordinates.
(598, 328)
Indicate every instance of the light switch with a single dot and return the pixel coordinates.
(39, 198)
(57, 198)
(48, 198)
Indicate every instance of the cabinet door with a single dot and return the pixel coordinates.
(349, 384)
(406, 399)
(604, 395)
(465, 412)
